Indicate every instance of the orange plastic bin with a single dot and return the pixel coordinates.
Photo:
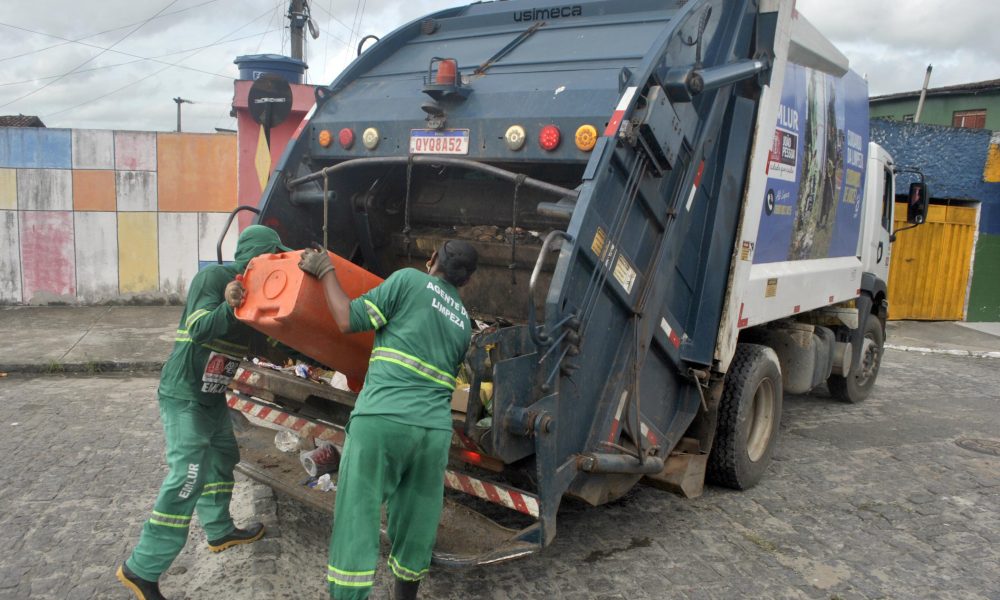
(288, 305)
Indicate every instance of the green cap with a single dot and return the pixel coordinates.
(256, 240)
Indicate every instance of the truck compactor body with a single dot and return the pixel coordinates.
(679, 217)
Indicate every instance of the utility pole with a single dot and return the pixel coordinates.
(180, 101)
(297, 16)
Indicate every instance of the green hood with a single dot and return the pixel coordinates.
(254, 241)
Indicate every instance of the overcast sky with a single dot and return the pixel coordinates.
(122, 61)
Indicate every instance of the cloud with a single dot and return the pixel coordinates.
(890, 42)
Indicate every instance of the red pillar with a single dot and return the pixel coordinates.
(248, 189)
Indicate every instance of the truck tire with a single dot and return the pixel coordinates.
(856, 386)
(749, 417)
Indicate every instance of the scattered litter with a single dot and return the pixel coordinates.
(324, 459)
(2, 374)
(286, 441)
(14, 424)
(325, 484)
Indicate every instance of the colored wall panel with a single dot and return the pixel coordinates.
(138, 263)
(178, 251)
(135, 151)
(48, 259)
(136, 190)
(8, 189)
(96, 255)
(94, 190)
(93, 149)
(209, 228)
(197, 172)
(35, 148)
(10, 258)
(44, 189)
(984, 297)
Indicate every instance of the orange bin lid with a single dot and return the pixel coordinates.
(288, 305)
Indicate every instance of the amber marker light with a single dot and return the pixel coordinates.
(346, 137)
(370, 138)
(515, 137)
(548, 137)
(586, 137)
(325, 138)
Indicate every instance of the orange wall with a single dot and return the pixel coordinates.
(94, 190)
(196, 172)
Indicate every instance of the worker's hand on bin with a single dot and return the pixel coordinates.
(235, 293)
(316, 262)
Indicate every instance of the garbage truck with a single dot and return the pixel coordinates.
(680, 218)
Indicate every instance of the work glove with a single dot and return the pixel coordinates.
(235, 294)
(316, 262)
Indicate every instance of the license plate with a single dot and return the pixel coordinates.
(432, 141)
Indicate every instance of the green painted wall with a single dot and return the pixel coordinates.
(938, 110)
(984, 297)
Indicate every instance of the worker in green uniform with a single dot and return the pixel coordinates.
(399, 433)
(201, 447)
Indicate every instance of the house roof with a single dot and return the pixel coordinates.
(962, 89)
(20, 121)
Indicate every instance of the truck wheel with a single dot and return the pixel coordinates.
(749, 416)
(856, 386)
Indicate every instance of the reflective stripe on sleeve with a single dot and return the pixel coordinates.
(414, 364)
(375, 315)
(193, 317)
(350, 578)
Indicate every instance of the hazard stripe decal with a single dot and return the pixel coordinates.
(671, 333)
(304, 428)
(616, 117)
(694, 188)
(522, 502)
(513, 499)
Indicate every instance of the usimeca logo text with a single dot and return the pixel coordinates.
(543, 14)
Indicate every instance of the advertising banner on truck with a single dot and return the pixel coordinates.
(815, 169)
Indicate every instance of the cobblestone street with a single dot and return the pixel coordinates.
(867, 501)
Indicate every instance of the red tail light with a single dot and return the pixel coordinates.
(548, 137)
(346, 137)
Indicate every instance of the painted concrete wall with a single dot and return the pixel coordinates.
(959, 164)
(90, 216)
(938, 110)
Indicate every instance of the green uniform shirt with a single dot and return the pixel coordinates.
(209, 343)
(422, 333)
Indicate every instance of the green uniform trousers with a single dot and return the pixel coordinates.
(403, 467)
(201, 455)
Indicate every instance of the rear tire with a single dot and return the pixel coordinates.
(749, 418)
(856, 386)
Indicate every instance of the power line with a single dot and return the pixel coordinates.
(80, 40)
(155, 73)
(332, 16)
(276, 11)
(147, 58)
(121, 39)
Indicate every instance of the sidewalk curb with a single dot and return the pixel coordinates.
(90, 368)
(945, 351)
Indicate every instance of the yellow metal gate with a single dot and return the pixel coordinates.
(929, 266)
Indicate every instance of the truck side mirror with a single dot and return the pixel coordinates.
(916, 206)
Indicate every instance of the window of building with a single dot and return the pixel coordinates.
(969, 119)
(907, 118)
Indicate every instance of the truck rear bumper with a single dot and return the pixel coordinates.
(465, 537)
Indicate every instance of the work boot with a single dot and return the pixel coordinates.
(252, 533)
(143, 590)
(405, 590)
